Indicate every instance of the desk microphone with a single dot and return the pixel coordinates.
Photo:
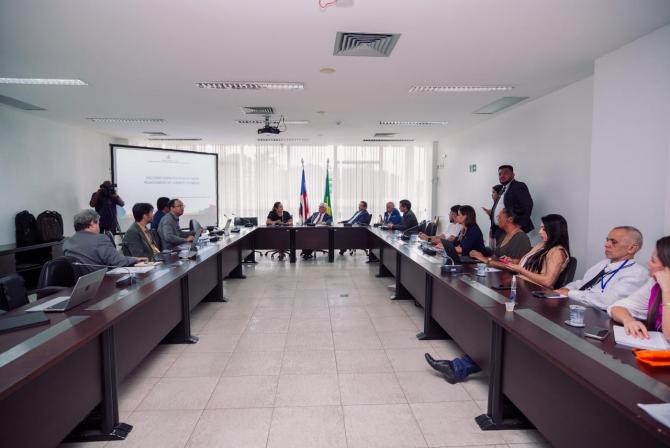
(126, 280)
(405, 236)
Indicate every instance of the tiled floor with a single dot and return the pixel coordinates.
(306, 355)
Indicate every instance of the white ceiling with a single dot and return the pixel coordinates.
(141, 59)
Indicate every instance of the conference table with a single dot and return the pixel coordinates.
(61, 380)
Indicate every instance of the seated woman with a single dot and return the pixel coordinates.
(513, 246)
(279, 216)
(545, 262)
(643, 310)
(542, 265)
(471, 237)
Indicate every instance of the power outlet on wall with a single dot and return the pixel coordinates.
(473, 168)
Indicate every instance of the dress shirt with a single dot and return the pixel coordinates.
(393, 217)
(618, 284)
(637, 303)
(353, 218)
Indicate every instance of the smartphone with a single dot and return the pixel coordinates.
(596, 333)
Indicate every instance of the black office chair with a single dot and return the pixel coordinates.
(431, 229)
(367, 223)
(251, 221)
(59, 273)
(13, 294)
(568, 273)
(422, 226)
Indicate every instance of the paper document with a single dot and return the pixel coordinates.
(656, 340)
(659, 412)
(133, 269)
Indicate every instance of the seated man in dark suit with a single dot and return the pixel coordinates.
(88, 246)
(138, 241)
(319, 218)
(409, 223)
(361, 217)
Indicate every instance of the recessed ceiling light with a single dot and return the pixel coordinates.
(250, 85)
(388, 140)
(458, 89)
(413, 123)
(321, 112)
(296, 121)
(498, 105)
(126, 120)
(43, 81)
(327, 70)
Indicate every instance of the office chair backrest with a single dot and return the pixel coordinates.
(568, 273)
(13, 292)
(58, 272)
(243, 221)
(124, 249)
(422, 226)
(431, 229)
(367, 221)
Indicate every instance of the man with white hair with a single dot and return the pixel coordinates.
(615, 277)
(319, 218)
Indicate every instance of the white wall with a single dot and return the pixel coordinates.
(45, 165)
(547, 141)
(630, 153)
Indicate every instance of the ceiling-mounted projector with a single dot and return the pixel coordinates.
(271, 128)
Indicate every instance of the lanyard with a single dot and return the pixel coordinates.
(604, 284)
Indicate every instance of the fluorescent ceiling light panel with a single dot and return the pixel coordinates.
(175, 139)
(413, 123)
(296, 121)
(250, 85)
(458, 89)
(498, 105)
(126, 120)
(43, 81)
(263, 122)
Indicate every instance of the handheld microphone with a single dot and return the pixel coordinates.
(126, 280)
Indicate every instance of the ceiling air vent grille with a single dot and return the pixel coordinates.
(498, 105)
(13, 102)
(258, 110)
(177, 139)
(388, 139)
(364, 44)
(385, 134)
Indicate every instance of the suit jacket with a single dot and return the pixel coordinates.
(170, 233)
(408, 222)
(392, 218)
(362, 218)
(517, 198)
(326, 219)
(94, 248)
(135, 242)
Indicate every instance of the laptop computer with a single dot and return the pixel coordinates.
(450, 250)
(86, 288)
(226, 228)
(192, 250)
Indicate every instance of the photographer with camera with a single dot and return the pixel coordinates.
(105, 201)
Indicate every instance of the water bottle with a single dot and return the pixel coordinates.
(512, 292)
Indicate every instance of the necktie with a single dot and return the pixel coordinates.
(318, 219)
(594, 280)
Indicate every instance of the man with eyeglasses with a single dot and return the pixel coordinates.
(169, 230)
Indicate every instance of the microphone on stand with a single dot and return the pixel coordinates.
(126, 280)
(405, 236)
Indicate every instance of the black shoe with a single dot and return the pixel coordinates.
(444, 367)
(342, 251)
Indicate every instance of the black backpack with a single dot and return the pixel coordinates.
(49, 226)
(26, 228)
(12, 292)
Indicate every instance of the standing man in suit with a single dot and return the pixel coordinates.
(361, 216)
(513, 196)
(409, 221)
(319, 218)
(138, 241)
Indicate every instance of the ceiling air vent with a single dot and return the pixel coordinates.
(13, 102)
(385, 134)
(258, 110)
(154, 133)
(283, 140)
(498, 105)
(175, 139)
(364, 44)
(388, 139)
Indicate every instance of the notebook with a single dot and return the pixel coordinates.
(656, 340)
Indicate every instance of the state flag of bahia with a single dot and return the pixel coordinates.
(304, 206)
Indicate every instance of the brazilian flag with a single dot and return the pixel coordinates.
(326, 196)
